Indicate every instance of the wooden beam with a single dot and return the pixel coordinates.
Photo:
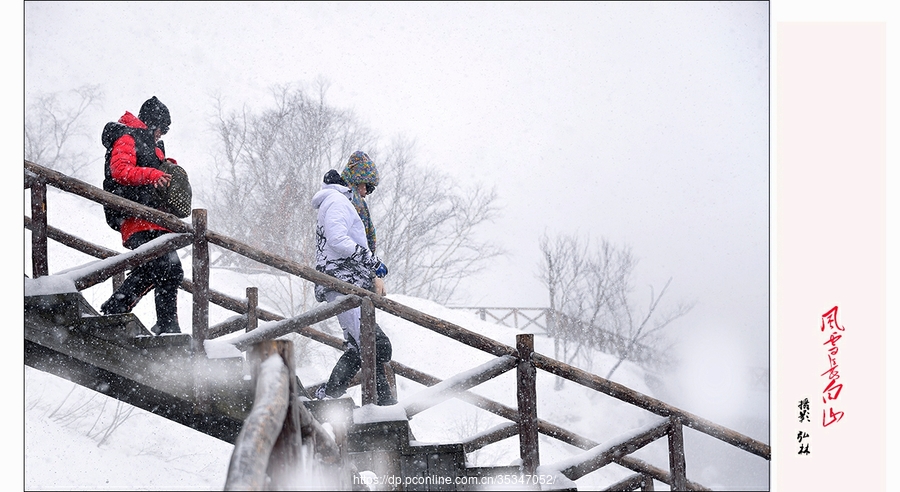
(39, 266)
(450, 387)
(654, 472)
(677, 465)
(616, 450)
(630, 482)
(286, 452)
(526, 396)
(283, 327)
(200, 275)
(253, 447)
(73, 242)
(438, 325)
(499, 433)
(78, 187)
(650, 404)
(99, 272)
(367, 352)
(231, 325)
(252, 308)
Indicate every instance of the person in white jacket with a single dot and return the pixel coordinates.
(342, 251)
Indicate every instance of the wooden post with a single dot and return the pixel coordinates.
(200, 318)
(677, 466)
(39, 266)
(200, 269)
(286, 451)
(117, 280)
(269, 442)
(367, 351)
(252, 305)
(391, 379)
(526, 393)
(647, 483)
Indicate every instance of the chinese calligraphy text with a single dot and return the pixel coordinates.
(833, 388)
(804, 417)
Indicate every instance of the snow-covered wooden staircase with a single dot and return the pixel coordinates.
(117, 355)
(173, 376)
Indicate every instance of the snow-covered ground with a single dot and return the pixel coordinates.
(78, 439)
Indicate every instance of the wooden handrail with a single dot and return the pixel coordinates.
(615, 448)
(78, 187)
(74, 242)
(98, 272)
(650, 404)
(389, 306)
(283, 327)
(439, 392)
(522, 356)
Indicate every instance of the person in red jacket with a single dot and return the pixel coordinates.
(134, 152)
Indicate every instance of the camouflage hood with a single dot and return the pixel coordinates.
(360, 169)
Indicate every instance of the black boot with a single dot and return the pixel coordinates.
(115, 305)
(165, 327)
(136, 285)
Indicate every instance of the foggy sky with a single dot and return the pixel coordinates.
(642, 123)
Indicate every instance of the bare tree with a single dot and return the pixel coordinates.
(591, 301)
(427, 226)
(564, 260)
(271, 162)
(268, 167)
(642, 330)
(55, 136)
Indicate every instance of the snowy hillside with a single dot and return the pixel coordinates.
(79, 439)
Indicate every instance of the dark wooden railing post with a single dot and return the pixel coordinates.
(286, 452)
(267, 451)
(526, 375)
(39, 267)
(677, 465)
(200, 273)
(252, 305)
(367, 351)
(117, 280)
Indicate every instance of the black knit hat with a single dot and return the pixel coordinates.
(332, 177)
(155, 114)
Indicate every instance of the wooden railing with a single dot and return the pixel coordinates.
(524, 421)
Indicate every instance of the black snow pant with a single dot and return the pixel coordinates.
(163, 274)
(350, 362)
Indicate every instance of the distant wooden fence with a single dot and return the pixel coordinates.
(520, 318)
(550, 321)
(524, 420)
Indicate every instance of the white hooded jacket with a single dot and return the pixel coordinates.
(341, 247)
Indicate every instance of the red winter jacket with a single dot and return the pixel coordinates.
(124, 169)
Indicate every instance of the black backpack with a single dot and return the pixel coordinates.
(174, 199)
